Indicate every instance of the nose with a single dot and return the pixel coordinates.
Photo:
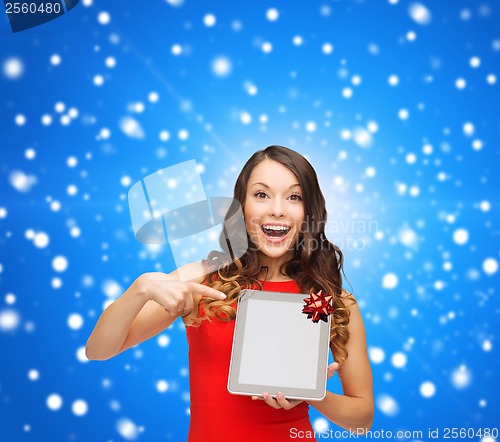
(277, 208)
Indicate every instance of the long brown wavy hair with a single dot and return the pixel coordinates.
(317, 263)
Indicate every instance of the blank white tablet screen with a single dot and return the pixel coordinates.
(280, 347)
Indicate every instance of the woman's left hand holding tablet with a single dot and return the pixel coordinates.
(287, 404)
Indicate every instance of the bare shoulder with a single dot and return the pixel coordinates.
(193, 272)
(356, 324)
(348, 299)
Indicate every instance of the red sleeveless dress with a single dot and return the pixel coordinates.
(216, 414)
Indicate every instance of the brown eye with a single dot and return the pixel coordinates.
(258, 195)
(295, 197)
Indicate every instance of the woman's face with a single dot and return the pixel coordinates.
(273, 209)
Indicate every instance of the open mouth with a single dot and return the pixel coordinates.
(275, 232)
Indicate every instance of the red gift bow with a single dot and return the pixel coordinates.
(318, 307)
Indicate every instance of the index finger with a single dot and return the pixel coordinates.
(207, 291)
(331, 369)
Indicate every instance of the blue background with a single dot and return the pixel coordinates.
(399, 192)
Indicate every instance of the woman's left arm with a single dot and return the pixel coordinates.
(354, 410)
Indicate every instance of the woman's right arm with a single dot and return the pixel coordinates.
(150, 305)
(114, 324)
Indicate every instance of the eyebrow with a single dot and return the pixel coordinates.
(265, 185)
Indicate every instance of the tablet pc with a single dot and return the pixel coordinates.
(277, 348)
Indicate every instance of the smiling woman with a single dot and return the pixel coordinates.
(285, 216)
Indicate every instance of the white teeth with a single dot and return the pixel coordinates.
(276, 227)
